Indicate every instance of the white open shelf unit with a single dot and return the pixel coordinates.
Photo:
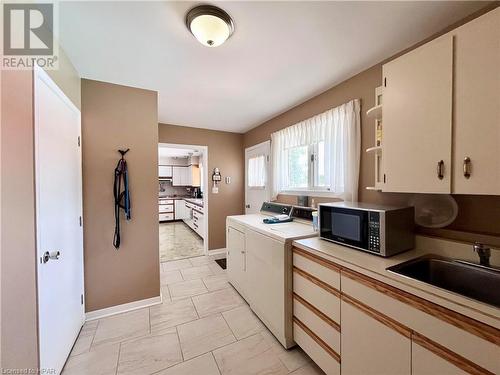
(376, 114)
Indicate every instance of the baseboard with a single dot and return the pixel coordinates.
(126, 307)
(218, 253)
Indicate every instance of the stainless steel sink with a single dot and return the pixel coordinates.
(473, 281)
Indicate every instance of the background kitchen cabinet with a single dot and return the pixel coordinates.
(165, 171)
(180, 210)
(477, 105)
(194, 176)
(417, 119)
(180, 176)
(370, 347)
(236, 259)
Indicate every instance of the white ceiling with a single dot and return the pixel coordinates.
(281, 54)
(166, 152)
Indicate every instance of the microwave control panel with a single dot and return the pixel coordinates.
(374, 231)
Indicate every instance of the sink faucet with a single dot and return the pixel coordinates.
(483, 252)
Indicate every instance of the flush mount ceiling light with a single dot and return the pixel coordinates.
(209, 24)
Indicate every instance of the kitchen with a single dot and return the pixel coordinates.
(181, 205)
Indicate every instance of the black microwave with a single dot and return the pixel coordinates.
(381, 230)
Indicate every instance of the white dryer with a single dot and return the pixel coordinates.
(259, 263)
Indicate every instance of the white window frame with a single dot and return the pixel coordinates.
(312, 174)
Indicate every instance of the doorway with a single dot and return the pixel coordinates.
(182, 201)
(257, 176)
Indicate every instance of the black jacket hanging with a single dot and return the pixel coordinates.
(122, 198)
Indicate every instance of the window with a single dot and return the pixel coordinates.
(306, 167)
(257, 172)
(319, 155)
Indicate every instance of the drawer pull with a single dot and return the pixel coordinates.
(440, 169)
(467, 167)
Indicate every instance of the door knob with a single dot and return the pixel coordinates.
(54, 255)
(247, 206)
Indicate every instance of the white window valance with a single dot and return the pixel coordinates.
(338, 133)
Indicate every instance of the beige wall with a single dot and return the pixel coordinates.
(119, 117)
(225, 151)
(19, 336)
(67, 78)
(478, 215)
(18, 272)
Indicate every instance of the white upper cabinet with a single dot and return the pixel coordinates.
(477, 106)
(417, 119)
(165, 171)
(441, 113)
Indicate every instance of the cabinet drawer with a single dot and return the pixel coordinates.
(323, 297)
(317, 267)
(166, 201)
(165, 208)
(463, 336)
(327, 360)
(165, 217)
(320, 325)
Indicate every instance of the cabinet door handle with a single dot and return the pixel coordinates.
(440, 169)
(467, 167)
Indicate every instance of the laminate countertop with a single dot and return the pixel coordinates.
(376, 267)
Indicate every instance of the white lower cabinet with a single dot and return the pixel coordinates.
(321, 354)
(425, 362)
(370, 347)
(349, 322)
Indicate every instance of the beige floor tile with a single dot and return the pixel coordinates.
(176, 265)
(243, 322)
(98, 361)
(200, 261)
(203, 365)
(187, 289)
(170, 277)
(218, 301)
(252, 355)
(216, 269)
(309, 369)
(122, 327)
(150, 353)
(204, 335)
(196, 272)
(293, 358)
(170, 314)
(216, 282)
(85, 338)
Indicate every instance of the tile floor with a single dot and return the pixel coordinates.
(203, 327)
(178, 241)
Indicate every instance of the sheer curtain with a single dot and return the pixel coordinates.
(257, 172)
(340, 129)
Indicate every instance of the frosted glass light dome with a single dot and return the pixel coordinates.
(210, 25)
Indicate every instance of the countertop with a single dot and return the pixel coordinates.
(281, 231)
(375, 267)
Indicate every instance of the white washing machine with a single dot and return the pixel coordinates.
(259, 263)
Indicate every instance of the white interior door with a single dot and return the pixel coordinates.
(257, 176)
(59, 209)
